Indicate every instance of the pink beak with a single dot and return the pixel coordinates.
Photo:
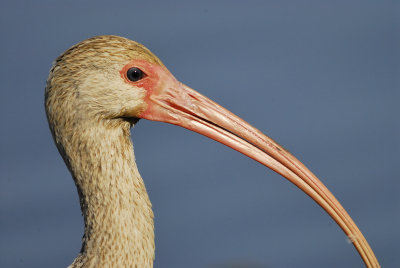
(172, 102)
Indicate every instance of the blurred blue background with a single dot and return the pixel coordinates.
(320, 77)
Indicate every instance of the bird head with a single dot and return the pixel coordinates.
(111, 80)
(104, 78)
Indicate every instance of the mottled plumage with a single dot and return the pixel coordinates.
(96, 146)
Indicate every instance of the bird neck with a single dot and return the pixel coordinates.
(119, 230)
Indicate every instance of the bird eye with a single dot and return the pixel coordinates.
(135, 74)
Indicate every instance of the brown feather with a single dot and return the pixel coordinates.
(84, 103)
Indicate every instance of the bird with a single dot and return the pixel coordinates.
(96, 91)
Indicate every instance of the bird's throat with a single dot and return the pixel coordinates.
(118, 218)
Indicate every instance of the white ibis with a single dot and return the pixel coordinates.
(96, 91)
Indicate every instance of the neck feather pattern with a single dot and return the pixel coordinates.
(119, 230)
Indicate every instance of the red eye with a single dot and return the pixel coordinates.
(134, 74)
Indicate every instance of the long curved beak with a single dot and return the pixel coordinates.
(174, 103)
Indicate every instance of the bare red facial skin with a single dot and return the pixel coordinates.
(157, 82)
(149, 82)
(170, 101)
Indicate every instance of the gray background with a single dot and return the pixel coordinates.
(320, 77)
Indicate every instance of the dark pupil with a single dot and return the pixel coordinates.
(134, 74)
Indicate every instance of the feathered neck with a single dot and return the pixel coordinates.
(119, 230)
